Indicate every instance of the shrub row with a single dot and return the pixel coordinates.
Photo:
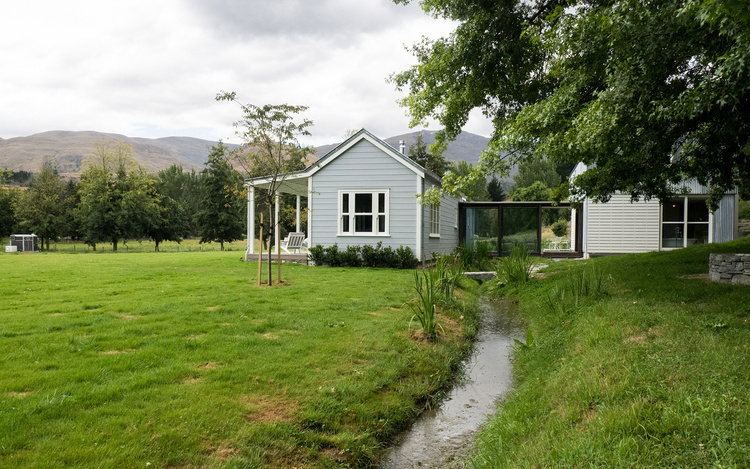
(364, 256)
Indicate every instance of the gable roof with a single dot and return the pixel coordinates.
(363, 134)
(296, 183)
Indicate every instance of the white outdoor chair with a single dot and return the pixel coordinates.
(293, 242)
(554, 245)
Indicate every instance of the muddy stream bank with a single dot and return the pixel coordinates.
(443, 436)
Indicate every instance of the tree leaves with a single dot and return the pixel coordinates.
(648, 92)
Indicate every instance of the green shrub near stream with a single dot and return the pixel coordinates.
(637, 361)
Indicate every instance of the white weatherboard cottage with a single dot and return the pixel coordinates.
(620, 226)
(363, 192)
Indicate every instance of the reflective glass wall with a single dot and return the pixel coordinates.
(520, 226)
(482, 227)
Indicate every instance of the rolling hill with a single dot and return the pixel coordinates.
(69, 150)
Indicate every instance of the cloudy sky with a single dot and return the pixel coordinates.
(146, 68)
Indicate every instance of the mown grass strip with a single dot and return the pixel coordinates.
(178, 360)
(637, 361)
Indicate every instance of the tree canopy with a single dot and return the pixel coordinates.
(534, 170)
(495, 190)
(40, 208)
(645, 93)
(431, 159)
(221, 214)
(117, 198)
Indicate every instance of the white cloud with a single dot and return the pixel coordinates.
(151, 69)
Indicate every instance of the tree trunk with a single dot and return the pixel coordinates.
(222, 246)
(278, 253)
(156, 246)
(46, 241)
(260, 251)
(114, 245)
(270, 237)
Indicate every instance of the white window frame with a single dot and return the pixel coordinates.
(376, 214)
(684, 223)
(434, 221)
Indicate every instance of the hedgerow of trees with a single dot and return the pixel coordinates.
(116, 200)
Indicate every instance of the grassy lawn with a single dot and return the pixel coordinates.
(177, 360)
(636, 361)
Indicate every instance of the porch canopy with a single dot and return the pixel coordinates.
(296, 183)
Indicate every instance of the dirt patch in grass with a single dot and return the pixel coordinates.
(192, 380)
(642, 337)
(265, 409)
(54, 315)
(333, 454)
(419, 336)
(587, 417)
(275, 335)
(127, 317)
(223, 451)
(210, 366)
(20, 395)
(213, 308)
(451, 326)
(117, 352)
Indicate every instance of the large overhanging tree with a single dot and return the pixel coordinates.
(649, 93)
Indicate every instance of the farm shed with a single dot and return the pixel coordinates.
(23, 243)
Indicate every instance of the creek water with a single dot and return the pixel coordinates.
(441, 437)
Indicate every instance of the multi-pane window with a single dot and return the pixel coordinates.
(434, 220)
(685, 221)
(363, 213)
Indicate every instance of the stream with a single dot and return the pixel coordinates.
(442, 436)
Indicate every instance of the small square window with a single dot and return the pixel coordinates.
(367, 215)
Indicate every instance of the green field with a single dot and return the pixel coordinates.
(178, 360)
(636, 361)
(147, 245)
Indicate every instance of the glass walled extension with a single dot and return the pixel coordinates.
(543, 228)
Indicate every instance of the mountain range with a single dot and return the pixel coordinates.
(69, 150)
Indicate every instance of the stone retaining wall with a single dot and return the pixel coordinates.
(730, 268)
(743, 227)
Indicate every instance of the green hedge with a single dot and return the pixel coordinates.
(364, 256)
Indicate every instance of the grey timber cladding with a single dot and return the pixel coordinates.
(448, 239)
(620, 226)
(365, 167)
(725, 220)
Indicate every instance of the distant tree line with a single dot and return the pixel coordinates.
(116, 200)
(16, 178)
